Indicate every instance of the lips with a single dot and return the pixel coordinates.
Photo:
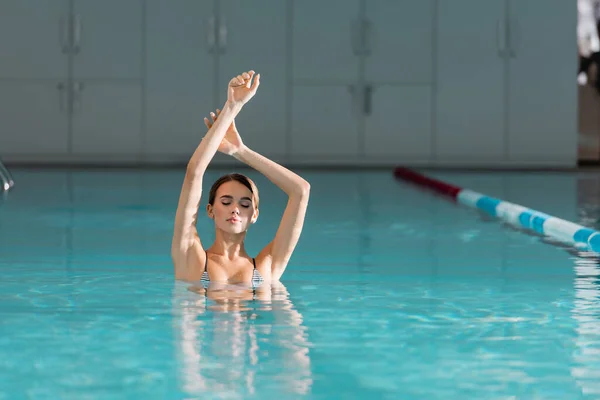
(234, 220)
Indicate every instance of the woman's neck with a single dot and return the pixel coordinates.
(229, 245)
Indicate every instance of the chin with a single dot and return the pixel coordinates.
(236, 229)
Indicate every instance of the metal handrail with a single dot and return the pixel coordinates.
(6, 178)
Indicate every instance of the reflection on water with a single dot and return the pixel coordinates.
(586, 307)
(588, 200)
(233, 341)
(586, 311)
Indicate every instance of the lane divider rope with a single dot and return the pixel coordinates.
(566, 232)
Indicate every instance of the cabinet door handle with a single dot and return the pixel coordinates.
(210, 34)
(76, 103)
(222, 35)
(368, 99)
(501, 37)
(61, 96)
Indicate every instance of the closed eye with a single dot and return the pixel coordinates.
(245, 205)
(245, 201)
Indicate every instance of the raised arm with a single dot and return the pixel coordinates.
(186, 248)
(280, 249)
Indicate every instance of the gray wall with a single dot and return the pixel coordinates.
(344, 82)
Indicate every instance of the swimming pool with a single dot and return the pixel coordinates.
(393, 292)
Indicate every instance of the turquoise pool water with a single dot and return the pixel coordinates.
(392, 293)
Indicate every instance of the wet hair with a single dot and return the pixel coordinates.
(244, 180)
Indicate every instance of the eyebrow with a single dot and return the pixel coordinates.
(231, 197)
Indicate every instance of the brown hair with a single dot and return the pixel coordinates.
(244, 180)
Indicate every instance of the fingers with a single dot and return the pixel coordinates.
(256, 82)
(214, 118)
(244, 79)
(248, 76)
(236, 81)
(239, 80)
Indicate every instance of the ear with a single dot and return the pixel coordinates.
(209, 211)
(254, 216)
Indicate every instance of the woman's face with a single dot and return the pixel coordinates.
(233, 210)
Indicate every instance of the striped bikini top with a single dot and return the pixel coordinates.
(257, 278)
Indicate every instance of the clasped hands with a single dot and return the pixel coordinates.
(239, 91)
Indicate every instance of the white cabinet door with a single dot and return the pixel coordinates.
(179, 93)
(257, 43)
(34, 120)
(324, 41)
(108, 39)
(470, 109)
(399, 40)
(325, 125)
(106, 120)
(33, 39)
(542, 93)
(398, 124)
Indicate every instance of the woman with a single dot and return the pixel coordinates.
(233, 205)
